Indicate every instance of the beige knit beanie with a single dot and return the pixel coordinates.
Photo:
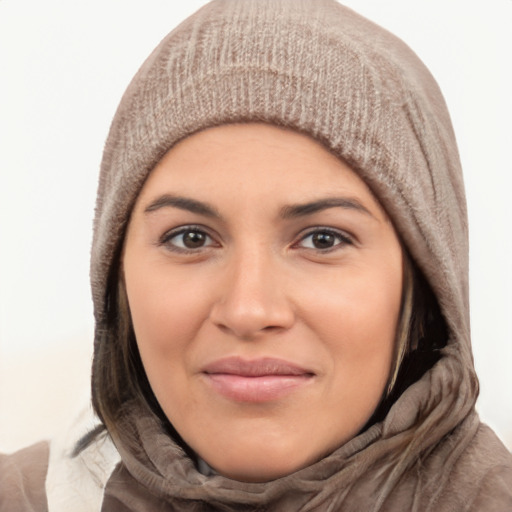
(319, 68)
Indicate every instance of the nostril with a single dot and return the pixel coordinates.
(248, 334)
(272, 328)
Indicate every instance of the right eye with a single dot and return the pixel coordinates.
(187, 239)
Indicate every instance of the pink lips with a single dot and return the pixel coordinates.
(259, 380)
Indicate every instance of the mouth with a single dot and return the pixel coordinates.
(260, 380)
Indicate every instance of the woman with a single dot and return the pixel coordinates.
(279, 273)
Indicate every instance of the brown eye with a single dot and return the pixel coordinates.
(187, 239)
(194, 239)
(324, 239)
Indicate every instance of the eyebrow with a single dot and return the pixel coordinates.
(183, 203)
(287, 212)
(301, 210)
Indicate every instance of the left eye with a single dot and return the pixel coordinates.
(188, 239)
(323, 239)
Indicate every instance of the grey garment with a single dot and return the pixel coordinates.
(479, 481)
(468, 470)
(319, 68)
(22, 479)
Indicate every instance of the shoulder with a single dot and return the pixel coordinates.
(22, 479)
(468, 470)
(494, 491)
(485, 470)
(495, 486)
(52, 477)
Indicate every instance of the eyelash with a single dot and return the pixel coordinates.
(166, 240)
(342, 239)
(168, 236)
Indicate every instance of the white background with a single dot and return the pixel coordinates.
(63, 67)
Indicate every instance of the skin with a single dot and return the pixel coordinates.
(316, 287)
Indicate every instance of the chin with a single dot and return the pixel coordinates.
(256, 464)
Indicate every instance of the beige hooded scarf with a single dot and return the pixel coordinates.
(319, 68)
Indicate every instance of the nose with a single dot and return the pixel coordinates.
(252, 298)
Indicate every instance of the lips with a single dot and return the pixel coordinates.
(259, 380)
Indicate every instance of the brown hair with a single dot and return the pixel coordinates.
(421, 334)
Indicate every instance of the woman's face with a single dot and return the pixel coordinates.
(264, 283)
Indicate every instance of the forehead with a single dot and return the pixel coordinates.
(253, 161)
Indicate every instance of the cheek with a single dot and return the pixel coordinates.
(356, 315)
(166, 314)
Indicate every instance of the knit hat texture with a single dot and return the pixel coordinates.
(319, 68)
(316, 67)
